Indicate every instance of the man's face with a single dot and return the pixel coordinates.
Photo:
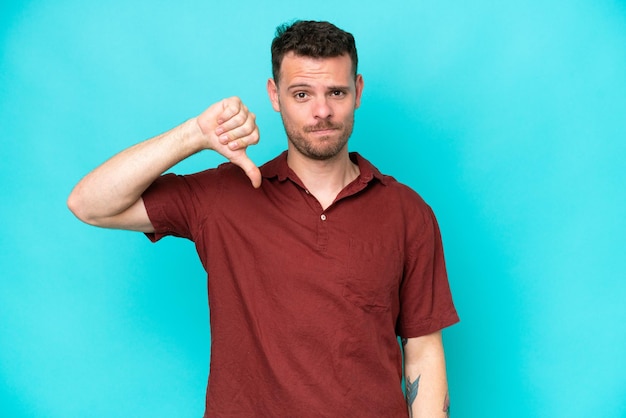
(316, 99)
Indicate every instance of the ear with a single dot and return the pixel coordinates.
(359, 90)
(272, 91)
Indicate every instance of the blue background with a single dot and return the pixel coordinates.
(508, 117)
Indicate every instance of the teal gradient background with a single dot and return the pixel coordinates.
(507, 117)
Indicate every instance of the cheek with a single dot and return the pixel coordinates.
(288, 121)
(345, 114)
(295, 116)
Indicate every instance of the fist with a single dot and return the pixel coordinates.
(228, 127)
(229, 123)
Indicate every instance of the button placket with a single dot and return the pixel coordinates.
(322, 232)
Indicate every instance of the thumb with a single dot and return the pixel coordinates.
(252, 171)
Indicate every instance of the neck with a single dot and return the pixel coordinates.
(324, 179)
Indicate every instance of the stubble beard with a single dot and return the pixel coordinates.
(324, 147)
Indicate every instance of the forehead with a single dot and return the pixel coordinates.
(296, 69)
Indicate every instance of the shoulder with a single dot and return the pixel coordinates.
(196, 187)
(405, 193)
(212, 177)
(410, 207)
(395, 192)
(369, 173)
(410, 203)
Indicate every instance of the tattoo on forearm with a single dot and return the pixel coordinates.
(446, 406)
(411, 392)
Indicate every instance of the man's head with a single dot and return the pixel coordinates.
(315, 87)
(311, 39)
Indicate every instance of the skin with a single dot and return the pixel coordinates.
(110, 195)
(317, 99)
(425, 375)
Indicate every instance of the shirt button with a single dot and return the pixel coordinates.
(323, 217)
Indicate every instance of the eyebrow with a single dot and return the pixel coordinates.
(298, 86)
(305, 85)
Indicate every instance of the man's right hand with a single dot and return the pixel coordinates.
(228, 127)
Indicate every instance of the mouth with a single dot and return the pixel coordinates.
(323, 131)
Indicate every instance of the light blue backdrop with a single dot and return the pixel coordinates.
(508, 117)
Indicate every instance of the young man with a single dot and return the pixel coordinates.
(315, 268)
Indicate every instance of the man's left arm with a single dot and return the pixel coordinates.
(425, 377)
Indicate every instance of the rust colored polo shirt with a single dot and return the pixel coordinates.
(305, 303)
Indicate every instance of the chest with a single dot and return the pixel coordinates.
(286, 246)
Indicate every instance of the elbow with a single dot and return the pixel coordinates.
(78, 208)
(73, 204)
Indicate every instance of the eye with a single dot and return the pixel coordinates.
(300, 95)
(338, 93)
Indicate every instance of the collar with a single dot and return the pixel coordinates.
(278, 168)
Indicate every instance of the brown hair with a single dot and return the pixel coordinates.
(314, 39)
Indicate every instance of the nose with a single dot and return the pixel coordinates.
(323, 109)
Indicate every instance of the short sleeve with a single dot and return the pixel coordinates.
(176, 205)
(426, 302)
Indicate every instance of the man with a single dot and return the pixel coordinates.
(315, 269)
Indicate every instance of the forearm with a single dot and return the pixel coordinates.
(110, 196)
(119, 182)
(425, 377)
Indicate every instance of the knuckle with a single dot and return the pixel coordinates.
(239, 118)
